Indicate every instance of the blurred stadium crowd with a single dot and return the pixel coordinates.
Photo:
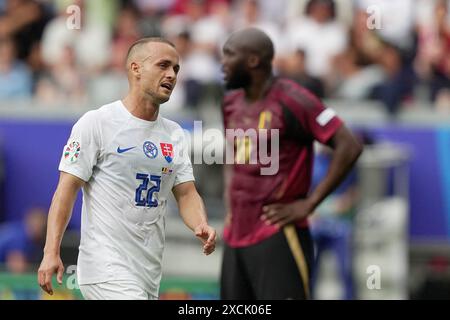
(325, 45)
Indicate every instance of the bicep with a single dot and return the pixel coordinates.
(183, 189)
(309, 116)
(69, 184)
(342, 136)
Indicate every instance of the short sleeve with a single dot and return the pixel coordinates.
(323, 122)
(82, 150)
(316, 120)
(184, 172)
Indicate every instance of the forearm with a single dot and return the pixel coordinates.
(58, 218)
(227, 173)
(192, 210)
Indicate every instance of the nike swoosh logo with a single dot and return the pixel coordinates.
(124, 150)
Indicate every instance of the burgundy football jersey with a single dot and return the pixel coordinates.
(300, 119)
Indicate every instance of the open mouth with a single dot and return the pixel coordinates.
(167, 86)
(225, 74)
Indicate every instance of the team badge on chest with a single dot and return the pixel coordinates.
(150, 149)
(167, 151)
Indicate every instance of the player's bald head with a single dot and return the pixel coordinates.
(139, 49)
(253, 41)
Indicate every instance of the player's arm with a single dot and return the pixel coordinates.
(227, 176)
(346, 150)
(193, 213)
(58, 218)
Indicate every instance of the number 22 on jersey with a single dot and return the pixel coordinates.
(148, 200)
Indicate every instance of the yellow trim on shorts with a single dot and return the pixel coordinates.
(299, 257)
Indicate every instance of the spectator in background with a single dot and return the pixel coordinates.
(353, 80)
(182, 16)
(384, 49)
(91, 42)
(24, 22)
(152, 12)
(433, 61)
(211, 30)
(62, 83)
(275, 11)
(201, 25)
(320, 35)
(15, 76)
(21, 243)
(153, 6)
(250, 14)
(392, 46)
(397, 18)
(294, 67)
(399, 84)
(362, 51)
(126, 32)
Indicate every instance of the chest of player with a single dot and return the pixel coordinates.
(260, 115)
(142, 152)
(263, 120)
(271, 114)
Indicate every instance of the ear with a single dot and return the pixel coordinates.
(253, 61)
(135, 69)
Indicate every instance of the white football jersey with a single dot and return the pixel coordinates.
(130, 166)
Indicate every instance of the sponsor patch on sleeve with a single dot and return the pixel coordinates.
(325, 116)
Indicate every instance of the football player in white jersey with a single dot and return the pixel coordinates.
(127, 160)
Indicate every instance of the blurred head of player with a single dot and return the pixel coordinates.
(152, 67)
(247, 56)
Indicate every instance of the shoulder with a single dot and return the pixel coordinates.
(177, 134)
(231, 96)
(96, 116)
(294, 95)
(88, 119)
(170, 125)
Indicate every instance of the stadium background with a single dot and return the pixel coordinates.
(390, 82)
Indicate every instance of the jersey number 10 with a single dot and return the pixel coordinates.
(148, 200)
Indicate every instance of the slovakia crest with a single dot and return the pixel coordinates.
(167, 151)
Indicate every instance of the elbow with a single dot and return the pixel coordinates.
(356, 150)
(352, 150)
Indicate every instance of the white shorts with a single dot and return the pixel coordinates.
(115, 290)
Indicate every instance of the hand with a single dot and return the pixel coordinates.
(50, 264)
(207, 236)
(279, 214)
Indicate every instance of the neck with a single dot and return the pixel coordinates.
(141, 107)
(258, 88)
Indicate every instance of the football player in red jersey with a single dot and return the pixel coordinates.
(268, 248)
